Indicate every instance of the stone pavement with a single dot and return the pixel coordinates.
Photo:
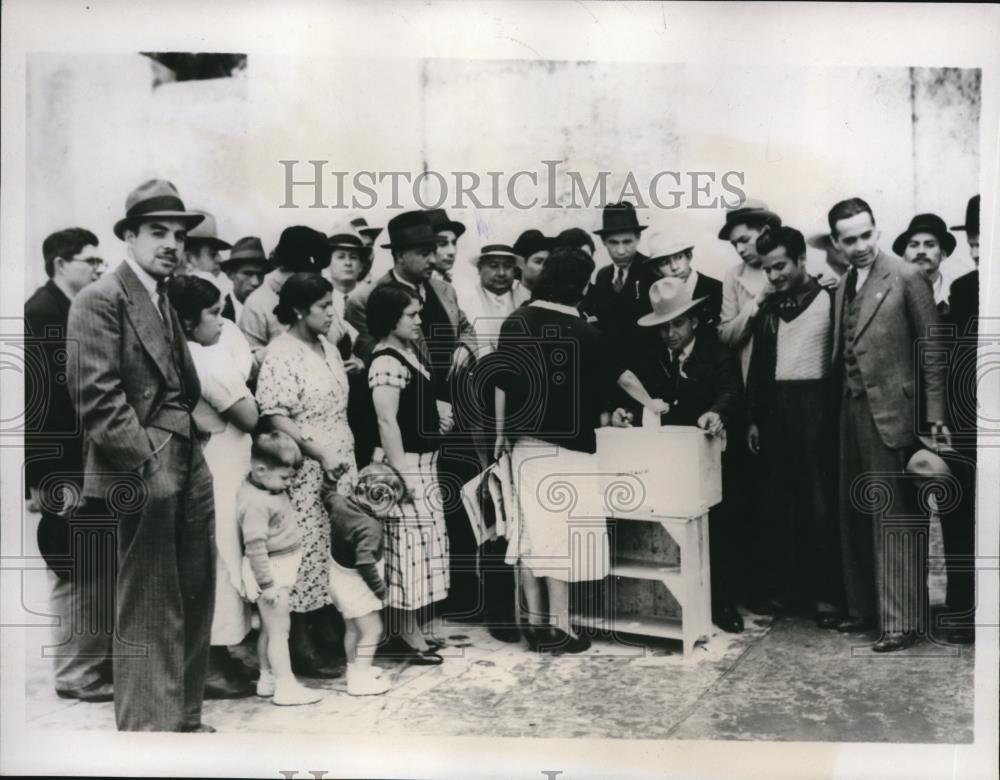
(782, 680)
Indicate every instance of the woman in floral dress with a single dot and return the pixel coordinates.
(302, 390)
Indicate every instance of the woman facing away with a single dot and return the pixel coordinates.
(555, 378)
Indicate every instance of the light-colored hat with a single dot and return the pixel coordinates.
(927, 464)
(496, 250)
(347, 237)
(663, 245)
(156, 198)
(670, 299)
(207, 233)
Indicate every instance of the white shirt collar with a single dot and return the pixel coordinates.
(147, 279)
(940, 293)
(686, 352)
(863, 274)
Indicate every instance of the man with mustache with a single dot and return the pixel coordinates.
(926, 243)
(136, 389)
(883, 306)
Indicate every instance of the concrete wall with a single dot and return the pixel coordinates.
(904, 139)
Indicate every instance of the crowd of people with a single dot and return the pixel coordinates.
(281, 433)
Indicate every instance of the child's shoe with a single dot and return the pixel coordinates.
(364, 681)
(288, 693)
(265, 684)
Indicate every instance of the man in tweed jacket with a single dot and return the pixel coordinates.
(883, 307)
(137, 387)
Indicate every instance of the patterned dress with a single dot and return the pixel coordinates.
(416, 538)
(296, 382)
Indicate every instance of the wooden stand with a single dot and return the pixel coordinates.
(660, 582)
(632, 609)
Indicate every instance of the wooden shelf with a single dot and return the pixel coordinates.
(643, 625)
(670, 574)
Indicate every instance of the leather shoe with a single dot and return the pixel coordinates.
(897, 640)
(222, 688)
(828, 620)
(560, 642)
(508, 634)
(853, 625)
(97, 692)
(197, 728)
(728, 619)
(961, 636)
(422, 657)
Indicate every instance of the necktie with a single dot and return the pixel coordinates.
(164, 307)
(943, 308)
(851, 287)
(228, 310)
(619, 281)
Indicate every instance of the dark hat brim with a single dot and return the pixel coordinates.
(431, 242)
(370, 232)
(739, 218)
(187, 217)
(218, 243)
(948, 241)
(611, 231)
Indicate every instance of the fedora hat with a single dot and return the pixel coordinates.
(348, 238)
(154, 199)
(531, 241)
(662, 245)
(751, 211)
(925, 223)
(247, 250)
(619, 218)
(361, 225)
(440, 221)
(670, 299)
(971, 217)
(207, 233)
(497, 250)
(409, 229)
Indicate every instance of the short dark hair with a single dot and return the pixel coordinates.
(757, 220)
(190, 296)
(65, 244)
(576, 238)
(564, 276)
(846, 209)
(385, 307)
(300, 291)
(787, 237)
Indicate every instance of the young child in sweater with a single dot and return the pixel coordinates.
(357, 582)
(272, 553)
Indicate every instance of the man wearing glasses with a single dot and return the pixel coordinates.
(53, 445)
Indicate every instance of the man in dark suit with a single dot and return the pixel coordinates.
(53, 449)
(137, 389)
(246, 266)
(672, 257)
(620, 292)
(926, 243)
(958, 526)
(698, 378)
(882, 308)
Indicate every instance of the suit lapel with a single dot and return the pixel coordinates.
(873, 293)
(440, 289)
(145, 318)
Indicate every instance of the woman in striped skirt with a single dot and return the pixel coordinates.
(409, 426)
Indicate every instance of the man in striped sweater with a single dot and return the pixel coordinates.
(792, 413)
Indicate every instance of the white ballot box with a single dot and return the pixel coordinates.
(658, 485)
(674, 470)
